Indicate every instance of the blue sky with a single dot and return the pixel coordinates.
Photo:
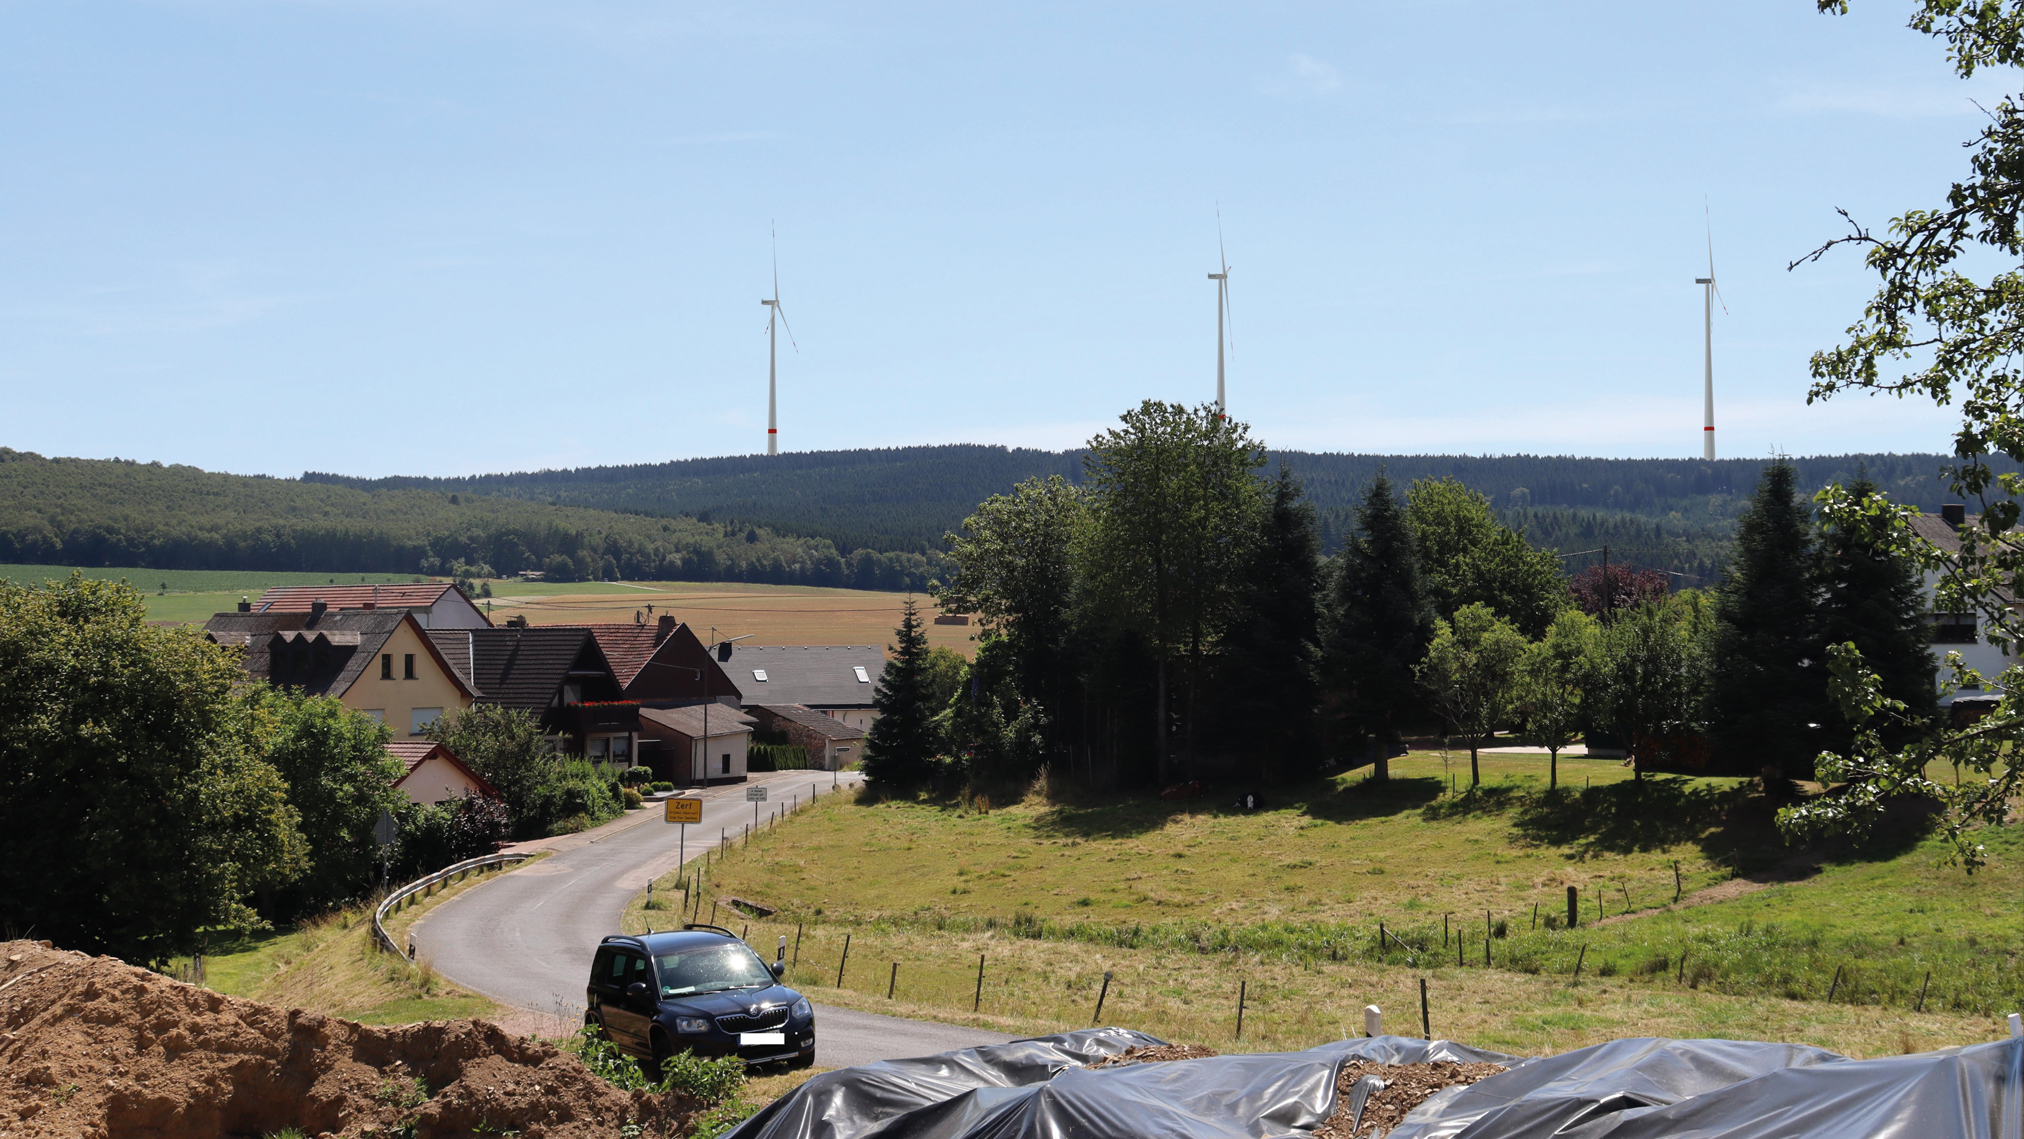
(448, 237)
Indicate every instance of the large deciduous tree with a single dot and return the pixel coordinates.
(508, 748)
(137, 811)
(1175, 505)
(1472, 558)
(900, 749)
(1650, 677)
(1946, 323)
(1471, 671)
(1015, 569)
(340, 777)
(1380, 620)
(1770, 683)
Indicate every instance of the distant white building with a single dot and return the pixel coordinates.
(1957, 632)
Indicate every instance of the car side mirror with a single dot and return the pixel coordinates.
(778, 967)
(636, 990)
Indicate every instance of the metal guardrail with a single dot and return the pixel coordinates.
(423, 885)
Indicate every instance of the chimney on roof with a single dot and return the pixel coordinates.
(316, 609)
(1955, 513)
(245, 606)
(664, 628)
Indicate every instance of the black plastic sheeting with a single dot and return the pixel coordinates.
(1625, 1089)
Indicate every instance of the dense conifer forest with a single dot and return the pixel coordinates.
(868, 518)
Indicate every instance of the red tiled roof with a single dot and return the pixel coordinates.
(627, 647)
(297, 598)
(414, 753)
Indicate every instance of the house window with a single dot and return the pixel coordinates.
(572, 694)
(727, 764)
(759, 674)
(408, 667)
(621, 747)
(386, 666)
(862, 676)
(420, 719)
(379, 715)
(598, 747)
(1953, 629)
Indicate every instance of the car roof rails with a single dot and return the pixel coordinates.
(712, 929)
(626, 937)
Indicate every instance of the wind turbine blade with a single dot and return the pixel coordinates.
(782, 314)
(1221, 257)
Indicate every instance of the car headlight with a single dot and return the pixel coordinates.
(691, 1024)
(802, 1009)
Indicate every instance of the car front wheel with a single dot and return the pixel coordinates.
(663, 1049)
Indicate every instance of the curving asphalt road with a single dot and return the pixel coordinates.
(525, 938)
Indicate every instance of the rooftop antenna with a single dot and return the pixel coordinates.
(1710, 295)
(774, 312)
(1222, 280)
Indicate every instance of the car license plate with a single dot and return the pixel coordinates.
(748, 1039)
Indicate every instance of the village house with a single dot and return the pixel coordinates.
(377, 661)
(697, 744)
(663, 665)
(435, 774)
(556, 673)
(436, 605)
(829, 742)
(835, 680)
(1958, 632)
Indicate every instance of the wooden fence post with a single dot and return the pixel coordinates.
(844, 960)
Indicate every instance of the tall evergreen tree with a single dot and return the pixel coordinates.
(1271, 655)
(1770, 678)
(1875, 599)
(1382, 620)
(901, 745)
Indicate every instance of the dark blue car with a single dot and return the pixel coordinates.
(697, 989)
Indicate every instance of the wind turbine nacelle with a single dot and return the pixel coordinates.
(1704, 280)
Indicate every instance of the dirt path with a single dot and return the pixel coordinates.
(1797, 868)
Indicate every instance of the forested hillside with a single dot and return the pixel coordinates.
(871, 519)
(98, 512)
(1671, 513)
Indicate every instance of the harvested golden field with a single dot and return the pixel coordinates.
(770, 614)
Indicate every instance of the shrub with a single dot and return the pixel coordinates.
(661, 785)
(775, 757)
(632, 799)
(635, 776)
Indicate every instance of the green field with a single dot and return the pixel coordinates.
(1191, 898)
(191, 596)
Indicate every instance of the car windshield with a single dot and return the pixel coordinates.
(710, 969)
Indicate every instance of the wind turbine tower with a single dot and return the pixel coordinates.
(1710, 294)
(774, 313)
(1222, 280)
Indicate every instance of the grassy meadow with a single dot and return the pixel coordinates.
(331, 965)
(1183, 902)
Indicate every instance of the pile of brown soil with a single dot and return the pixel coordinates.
(1156, 1055)
(1406, 1086)
(94, 1047)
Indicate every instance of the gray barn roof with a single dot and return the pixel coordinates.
(817, 676)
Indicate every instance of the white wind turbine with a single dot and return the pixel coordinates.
(774, 313)
(1222, 280)
(1710, 296)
